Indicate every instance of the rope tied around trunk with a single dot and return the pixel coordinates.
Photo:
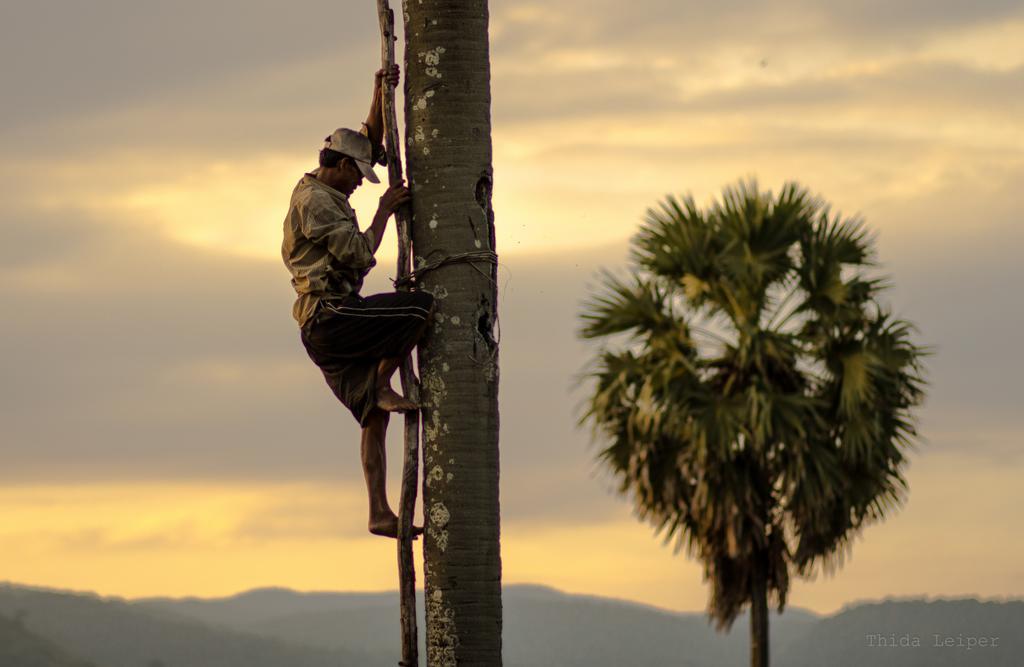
(470, 258)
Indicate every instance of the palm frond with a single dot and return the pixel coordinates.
(675, 240)
(644, 307)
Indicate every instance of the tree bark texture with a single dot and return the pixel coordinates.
(448, 149)
(759, 614)
(411, 449)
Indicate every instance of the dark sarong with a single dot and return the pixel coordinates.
(347, 337)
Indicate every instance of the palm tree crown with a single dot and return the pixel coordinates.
(752, 395)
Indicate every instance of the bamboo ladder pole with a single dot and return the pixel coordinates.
(410, 468)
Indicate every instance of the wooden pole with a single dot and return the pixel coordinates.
(410, 468)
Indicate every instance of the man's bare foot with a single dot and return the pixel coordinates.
(388, 527)
(391, 401)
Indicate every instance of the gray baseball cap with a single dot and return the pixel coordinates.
(355, 145)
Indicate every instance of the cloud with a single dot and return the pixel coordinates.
(613, 59)
(215, 537)
(884, 19)
(76, 58)
(919, 88)
(596, 112)
(150, 359)
(696, 26)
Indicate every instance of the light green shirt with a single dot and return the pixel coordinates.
(323, 248)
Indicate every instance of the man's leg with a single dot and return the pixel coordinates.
(383, 520)
(387, 398)
(375, 469)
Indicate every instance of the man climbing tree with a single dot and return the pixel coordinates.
(357, 342)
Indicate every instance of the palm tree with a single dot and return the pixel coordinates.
(752, 394)
(448, 149)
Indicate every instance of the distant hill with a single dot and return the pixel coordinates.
(543, 628)
(116, 633)
(912, 632)
(21, 648)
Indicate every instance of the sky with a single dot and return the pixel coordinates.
(162, 431)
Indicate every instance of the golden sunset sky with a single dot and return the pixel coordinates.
(162, 431)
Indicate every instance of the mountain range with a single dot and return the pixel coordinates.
(542, 628)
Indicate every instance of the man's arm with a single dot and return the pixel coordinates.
(323, 223)
(375, 119)
(393, 199)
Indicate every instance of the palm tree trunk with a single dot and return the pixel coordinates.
(759, 614)
(448, 149)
